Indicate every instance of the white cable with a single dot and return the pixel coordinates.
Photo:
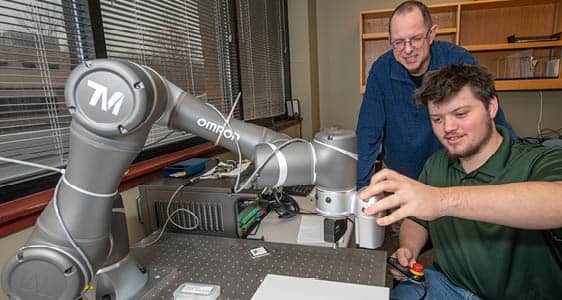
(59, 217)
(282, 162)
(67, 233)
(180, 209)
(169, 218)
(83, 191)
(237, 146)
(340, 150)
(62, 171)
(30, 164)
(227, 121)
(258, 169)
(237, 187)
(539, 121)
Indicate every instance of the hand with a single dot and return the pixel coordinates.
(406, 259)
(412, 198)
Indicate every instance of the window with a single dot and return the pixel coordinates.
(212, 49)
(40, 43)
(263, 49)
(185, 41)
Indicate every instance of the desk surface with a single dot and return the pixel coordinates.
(226, 262)
(274, 229)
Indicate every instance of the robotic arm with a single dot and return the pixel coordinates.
(114, 104)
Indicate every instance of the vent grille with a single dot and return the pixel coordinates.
(210, 216)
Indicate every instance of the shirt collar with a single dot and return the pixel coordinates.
(497, 162)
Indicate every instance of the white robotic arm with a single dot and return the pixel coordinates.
(114, 104)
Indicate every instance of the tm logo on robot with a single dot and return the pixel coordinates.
(116, 100)
(100, 92)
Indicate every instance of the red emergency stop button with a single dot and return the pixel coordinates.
(417, 269)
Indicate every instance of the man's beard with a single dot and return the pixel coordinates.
(474, 149)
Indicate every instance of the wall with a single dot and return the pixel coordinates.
(337, 25)
(523, 110)
(304, 68)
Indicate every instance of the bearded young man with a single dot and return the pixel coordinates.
(491, 206)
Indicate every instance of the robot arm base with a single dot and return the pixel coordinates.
(42, 272)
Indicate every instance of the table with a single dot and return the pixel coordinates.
(227, 263)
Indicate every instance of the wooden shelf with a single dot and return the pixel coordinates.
(528, 84)
(384, 35)
(482, 28)
(446, 31)
(375, 36)
(512, 46)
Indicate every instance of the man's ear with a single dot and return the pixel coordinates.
(433, 33)
(493, 107)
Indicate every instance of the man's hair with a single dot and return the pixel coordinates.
(441, 85)
(409, 6)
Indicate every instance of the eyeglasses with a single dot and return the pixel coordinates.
(415, 42)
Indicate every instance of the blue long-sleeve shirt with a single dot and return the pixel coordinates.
(389, 116)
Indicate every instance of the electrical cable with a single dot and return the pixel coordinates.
(169, 216)
(227, 120)
(551, 133)
(289, 207)
(30, 164)
(237, 187)
(283, 204)
(417, 283)
(235, 142)
(539, 121)
(424, 288)
(67, 233)
(266, 160)
(59, 217)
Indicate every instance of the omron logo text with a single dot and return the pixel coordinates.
(213, 127)
(100, 92)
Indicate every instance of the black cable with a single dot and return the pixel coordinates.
(424, 289)
(287, 204)
(418, 283)
(254, 230)
(284, 205)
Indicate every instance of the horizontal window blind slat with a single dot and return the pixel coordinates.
(179, 39)
(40, 43)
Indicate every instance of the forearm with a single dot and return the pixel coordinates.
(528, 205)
(413, 236)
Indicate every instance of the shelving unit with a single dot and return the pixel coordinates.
(482, 27)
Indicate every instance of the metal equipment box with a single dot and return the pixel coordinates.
(213, 201)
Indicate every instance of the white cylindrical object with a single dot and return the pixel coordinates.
(367, 232)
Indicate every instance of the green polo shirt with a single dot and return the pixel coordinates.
(494, 261)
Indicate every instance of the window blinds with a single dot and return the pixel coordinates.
(261, 27)
(210, 48)
(40, 43)
(185, 41)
